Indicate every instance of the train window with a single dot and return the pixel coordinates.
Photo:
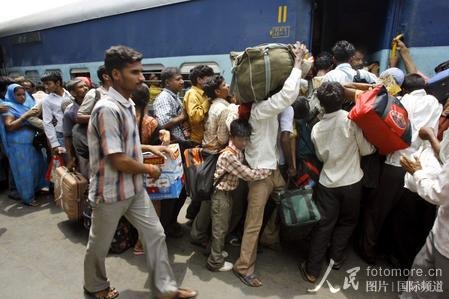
(185, 71)
(33, 76)
(152, 73)
(79, 72)
(14, 75)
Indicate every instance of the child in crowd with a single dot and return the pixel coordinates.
(338, 143)
(226, 178)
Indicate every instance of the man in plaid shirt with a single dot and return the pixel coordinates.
(229, 169)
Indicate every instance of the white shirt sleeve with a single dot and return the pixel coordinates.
(47, 117)
(368, 76)
(279, 101)
(314, 141)
(434, 190)
(286, 120)
(365, 148)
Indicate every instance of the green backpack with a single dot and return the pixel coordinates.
(259, 72)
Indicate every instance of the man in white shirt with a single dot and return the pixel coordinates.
(423, 111)
(261, 154)
(51, 110)
(433, 186)
(343, 51)
(338, 143)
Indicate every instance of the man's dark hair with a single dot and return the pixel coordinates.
(324, 61)
(40, 87)
(117, 57)
(240, 128)
(200, 71)
(141, 96)
(100, 72)
(413, 82)
(29, 81)
(52, 76)
(168, 73)
(343, 51)
(331, 96)
(212, 85)
(71, 85)
(301, 108)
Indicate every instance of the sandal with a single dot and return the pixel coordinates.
(109, 293)
(31, 204)
(250, 280)
(186, 294)
(138, 251)
(180, 294)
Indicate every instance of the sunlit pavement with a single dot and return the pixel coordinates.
(41, 256)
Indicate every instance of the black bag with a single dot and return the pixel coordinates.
(40, 140)
(205, 177)
(125, 236)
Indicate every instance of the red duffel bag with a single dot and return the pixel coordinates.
(383, 120)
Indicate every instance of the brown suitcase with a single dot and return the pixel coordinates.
(70, 189)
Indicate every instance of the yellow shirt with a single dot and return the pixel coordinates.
(196, 106)
(154, 92)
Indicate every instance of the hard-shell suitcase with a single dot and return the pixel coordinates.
(438, 86)
(70, 190)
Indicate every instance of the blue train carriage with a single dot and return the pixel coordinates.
(183, 33)
(371, 25)
(170, 33)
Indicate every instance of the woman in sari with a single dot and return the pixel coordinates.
(26, 162)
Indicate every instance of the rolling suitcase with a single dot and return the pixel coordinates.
(70, 191)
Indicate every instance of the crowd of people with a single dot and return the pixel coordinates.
(300, 137)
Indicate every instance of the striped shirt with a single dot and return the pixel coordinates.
(113, 129)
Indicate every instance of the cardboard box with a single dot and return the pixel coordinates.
(171, 181)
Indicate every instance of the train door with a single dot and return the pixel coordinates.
(365, 23)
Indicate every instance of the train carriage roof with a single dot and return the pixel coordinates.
(76, 12)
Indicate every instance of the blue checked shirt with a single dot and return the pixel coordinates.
(167, 106)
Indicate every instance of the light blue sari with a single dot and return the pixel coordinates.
(26, 162)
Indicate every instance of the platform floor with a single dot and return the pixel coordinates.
(41, 256)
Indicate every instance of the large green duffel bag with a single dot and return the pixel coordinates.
(260, 71)
(297, 208)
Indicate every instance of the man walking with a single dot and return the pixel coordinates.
(116, 182)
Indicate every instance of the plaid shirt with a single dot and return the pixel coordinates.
(230, 168)
(113, 129)
(167, 106)
(216, 133)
